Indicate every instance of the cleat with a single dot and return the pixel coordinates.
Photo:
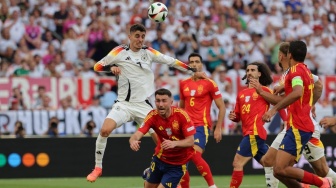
(327, 183)
(92, 177)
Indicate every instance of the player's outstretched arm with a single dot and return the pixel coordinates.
(268, 96)
(135, 140)
(328, 122)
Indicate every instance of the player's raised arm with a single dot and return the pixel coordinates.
(105, 64)
(158, 57)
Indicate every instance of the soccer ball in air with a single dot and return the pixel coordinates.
(157, 12)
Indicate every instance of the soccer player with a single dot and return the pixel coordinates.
(175, 132)
(314, 149)
(197, 96)
(299, 85)
(249, 109)
(135, 85)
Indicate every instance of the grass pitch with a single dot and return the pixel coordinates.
(249, 181)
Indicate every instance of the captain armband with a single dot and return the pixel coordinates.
(297, 81)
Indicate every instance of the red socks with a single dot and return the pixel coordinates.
(311, 179)
(185, 180)
(203, 168)
(236, 179)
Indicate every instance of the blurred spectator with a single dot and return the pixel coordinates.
(19, 130)
(59, 18)
(86, 71)
(65, 103)
(93, 34)
(107, 96)
(7, 46)
(326, 63)
(52, 127)
(41, 91)
(256, 49)
(89, 128)
(51, 71)
(102, 47)
(33, 33)
(46, 104)
(156, 43)
(15, 26)
(17, 101)
(215, 55)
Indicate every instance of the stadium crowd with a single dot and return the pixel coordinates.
(64, 38)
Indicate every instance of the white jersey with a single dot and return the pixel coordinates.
(136, 81)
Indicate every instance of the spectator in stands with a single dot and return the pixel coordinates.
(326, 63)
(46, 104)
(53, 127)
(102, 47)
(41, 91)
(33, 33)
(86, 70)
(107, 96)
(216, 56)
(59, 18)
(156, 43)
(17, 100)
(7, 46)
(19, 131)
(89, 128)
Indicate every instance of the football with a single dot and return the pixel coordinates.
(157, 12)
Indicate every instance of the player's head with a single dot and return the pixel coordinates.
(195, 61)
(297, 51)
(283, 55)
(137, 36)
(163, 101)
(259, 71)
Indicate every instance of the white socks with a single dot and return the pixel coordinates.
(332, 175)
(100, 149)
(213, 186)
(271, 181)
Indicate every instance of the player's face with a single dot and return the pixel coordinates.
(163, 104)
(137, 39)
(195, 62)
(252, 72)
(283, 60)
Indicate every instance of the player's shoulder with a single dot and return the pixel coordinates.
(151, 115)
(265, 88)
(186, 80)
(116, 50)
(209, 80)
(181, 112)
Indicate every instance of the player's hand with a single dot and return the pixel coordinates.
(218, 133)
(232, 115)
(168, 144)
(135, 145)
(115, 70)
(328, 122)
(268, 115)
(200, 75)
(255, 84)
(278, 89)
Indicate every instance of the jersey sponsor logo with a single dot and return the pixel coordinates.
(200, 89)
(168, 131)
(197, 140)
(128, 58)
(186, 89)
(247, 98)
(217, 93)
(310, 158)
(190, 128)
(175, 125)
(192, 92)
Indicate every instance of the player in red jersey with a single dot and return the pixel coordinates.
(197, 96)
(299, 87)
(249, 110)
(175, 132)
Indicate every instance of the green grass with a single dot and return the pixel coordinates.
(251, 181)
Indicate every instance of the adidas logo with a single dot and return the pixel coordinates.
(128, 58)
(310, 157)
(268, 185)
(98, 152)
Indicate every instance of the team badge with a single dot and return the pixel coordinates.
(175, 125)
(200, 89)
(144, 57)
(255, 96)
(247, 98)
(168, 131)
(192, 92)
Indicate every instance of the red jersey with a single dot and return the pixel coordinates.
(299, 111)
(177, 126)
(198, 96)
(250, 107)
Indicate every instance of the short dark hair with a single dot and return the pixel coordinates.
(163, 91)
(137, 27)
(195, 55)
(284, 47)
(265, 78)
(298, 50)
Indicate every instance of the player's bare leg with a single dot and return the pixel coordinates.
(268, 161)
(153, 185)
(322, 169)
(239, 162)
(108, 126)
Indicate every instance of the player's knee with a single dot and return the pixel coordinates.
(322, 171)
(237, 164)
(278, 172)
(267, 161)
(108, 126)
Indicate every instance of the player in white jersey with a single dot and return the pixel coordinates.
(135, 85)
(314, 149)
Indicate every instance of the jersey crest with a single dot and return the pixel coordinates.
(175, 125)
(255, 96)
(200, 89)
